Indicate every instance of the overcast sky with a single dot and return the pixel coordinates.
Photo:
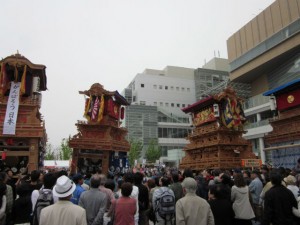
(109, 42)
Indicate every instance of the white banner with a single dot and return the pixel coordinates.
(12, 108)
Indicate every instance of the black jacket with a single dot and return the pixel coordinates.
(279, 202)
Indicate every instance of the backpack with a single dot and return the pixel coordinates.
(45, 199)
(165, 206)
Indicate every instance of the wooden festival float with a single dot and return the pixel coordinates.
(100, 142)
(283, 143)
(216, 141)
(22, 128)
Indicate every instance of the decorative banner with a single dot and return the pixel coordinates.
(113, 109)
(204, 116)
(232, 113)
(10, 121)
(251, 162)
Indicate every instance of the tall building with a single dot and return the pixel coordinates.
(157, 97)
(265, 54)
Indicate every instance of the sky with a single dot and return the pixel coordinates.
(82, 42)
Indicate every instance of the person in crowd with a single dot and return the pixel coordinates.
(255, 188)
(220, 205)
(124, 208)
(78, 180)
(176, 187)
(226, 184)
(129, 178)
(188, 172)
(191, 209)
(164, 188)
(151, 187)
(49, 182)
(110, 184)
(143, 198)
(241, 203)
(110, 196)
(3, 203)
(9, 196)
(11, 181)
(63, 211)
(202, 187)
(290, 182)
(35, 183)
(94, 202)
(279, 202)
(265, 174)
(118, 191)
(268, 187)
(247, 177)
(22, 207)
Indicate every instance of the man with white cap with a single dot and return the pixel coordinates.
(63, 211)
(192, 209)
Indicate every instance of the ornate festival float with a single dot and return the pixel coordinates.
(22, 128)
(216, 141)
(100, 142)
(283, 143)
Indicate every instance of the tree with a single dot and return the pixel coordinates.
(153, 152)
(136, 147)
(65, 152)
(50, 154)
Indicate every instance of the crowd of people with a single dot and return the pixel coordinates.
(141, 197)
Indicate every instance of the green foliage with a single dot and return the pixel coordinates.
(136, 147)
(65, 152)
(50, 154)
(153, 152)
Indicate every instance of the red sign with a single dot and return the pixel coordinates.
(288, 100)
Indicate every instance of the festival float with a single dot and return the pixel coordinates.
(22, 128)
(283, 143)
(100, 143)
(216, 141)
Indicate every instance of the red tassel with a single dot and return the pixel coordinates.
(3, 156)
(9, 141)
(122, 112)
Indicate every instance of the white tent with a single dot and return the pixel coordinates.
(56, 163)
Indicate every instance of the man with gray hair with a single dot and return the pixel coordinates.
(94, 202)
(192, 209)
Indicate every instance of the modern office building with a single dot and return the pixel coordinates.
(265, 53)
(156, 98)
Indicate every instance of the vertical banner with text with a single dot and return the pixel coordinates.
(10, 121)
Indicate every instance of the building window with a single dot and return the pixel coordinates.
(160, 86)
(172, 104)
(134, 98)
(182, 88)
(142, 85)
(155, 86)
(142, 103)
(161, 104)
(166, 87)
(178, 105)
(155, 103)
(183, 105)
(172, 88)
(167, 104)
(177, 88)
(188, 90)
